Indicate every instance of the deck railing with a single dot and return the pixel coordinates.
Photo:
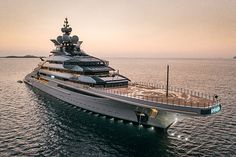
(204, 100)
(177, 90)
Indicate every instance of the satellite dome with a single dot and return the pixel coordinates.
(59, 39)
(65, 38)
(74, 39)
(63, 29)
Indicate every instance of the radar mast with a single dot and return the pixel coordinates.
(67, 44)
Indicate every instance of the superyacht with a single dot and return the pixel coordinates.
(89, 83)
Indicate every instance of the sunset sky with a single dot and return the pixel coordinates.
(122, 28)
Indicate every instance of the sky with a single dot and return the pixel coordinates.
(122, 28)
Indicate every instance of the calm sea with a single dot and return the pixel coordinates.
(33, 123)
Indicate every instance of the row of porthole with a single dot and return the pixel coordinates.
(91, 106)
(111, 118)
(151, 128)
(72, 100)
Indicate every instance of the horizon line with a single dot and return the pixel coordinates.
(139, 57)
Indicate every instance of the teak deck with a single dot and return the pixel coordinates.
(159, 95)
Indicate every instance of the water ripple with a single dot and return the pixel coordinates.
(35, 124)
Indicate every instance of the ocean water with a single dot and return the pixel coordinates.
(33, 123)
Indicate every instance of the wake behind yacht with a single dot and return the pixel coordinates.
(88, 82)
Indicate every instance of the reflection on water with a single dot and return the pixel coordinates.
(74, 128)
(34, 123)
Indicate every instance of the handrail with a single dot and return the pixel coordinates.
(176, 89)
(202, 103)
(205, 103)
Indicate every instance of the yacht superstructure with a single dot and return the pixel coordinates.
(90, 83)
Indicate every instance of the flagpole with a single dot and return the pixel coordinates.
(167, 81)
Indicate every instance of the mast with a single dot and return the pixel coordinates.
(167, 81)
(67, 44)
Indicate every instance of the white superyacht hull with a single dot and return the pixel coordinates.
(88, 82)
(106, 106)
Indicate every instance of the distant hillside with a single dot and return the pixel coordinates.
(26, 56)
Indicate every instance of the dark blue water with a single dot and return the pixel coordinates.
(33, 123)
